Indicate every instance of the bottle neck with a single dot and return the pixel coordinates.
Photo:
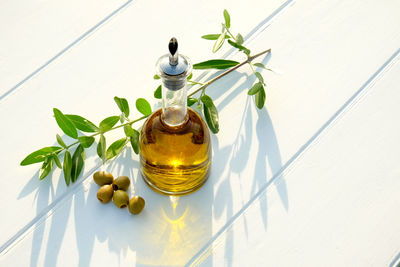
(174, 105)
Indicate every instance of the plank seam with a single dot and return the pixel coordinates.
(65, 49)
(42, 216)
(289, 165)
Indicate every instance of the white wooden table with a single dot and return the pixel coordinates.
(313, 179)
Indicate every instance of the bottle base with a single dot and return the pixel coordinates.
(174, 193)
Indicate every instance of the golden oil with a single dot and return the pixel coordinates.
(175, 160)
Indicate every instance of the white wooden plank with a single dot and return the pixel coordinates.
(34, 33)
(102, 63)
(343, 197)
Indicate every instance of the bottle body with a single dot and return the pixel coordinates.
(175, 160)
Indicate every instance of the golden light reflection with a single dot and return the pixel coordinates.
(174, 201)
(177, 224)
(176, 233)
(176, 163)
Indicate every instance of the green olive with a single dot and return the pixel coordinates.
(121, 199)
(121, 183)
(105, 193)
(136, 205)
(101, 178)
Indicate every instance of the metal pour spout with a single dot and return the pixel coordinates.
(173, 50)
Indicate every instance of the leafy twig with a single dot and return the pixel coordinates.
(249, 59)
(71, 124)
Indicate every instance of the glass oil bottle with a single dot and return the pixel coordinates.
(175, 145)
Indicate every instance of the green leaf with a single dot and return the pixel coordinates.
(189, 77)
(101, 147)
(255, 88)
(191, 101)
(215, 64)
(123, 105)
(239, 39)
(65, 124)
(108, 123)
(67, 167)
(156, 77)
(122, 118)
(213, 36)
(207, 101)
(57, 161)
(39, 155)
(259, 77)
(260, 98)
(60, 141)
(210, 113)
(219, 42)
(227, 19)
(86, 141)
(260, 65)
(115, 148)
(143, 106)
(128, 130)
(135, 141)
(77, 162)
(133, 137)
(82, 124)
(46, 168)
(157, 92)
(240, 47)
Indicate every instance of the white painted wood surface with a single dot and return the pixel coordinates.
(343, 194)
(310, 180)
(35, 33)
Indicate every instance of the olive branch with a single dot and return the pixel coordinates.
(74, 125)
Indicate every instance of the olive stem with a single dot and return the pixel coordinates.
(228, 31)
(193, 82)
(101, 132)
(201, 88)
(248, 60)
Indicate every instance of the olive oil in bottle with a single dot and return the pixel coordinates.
(175, 145)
